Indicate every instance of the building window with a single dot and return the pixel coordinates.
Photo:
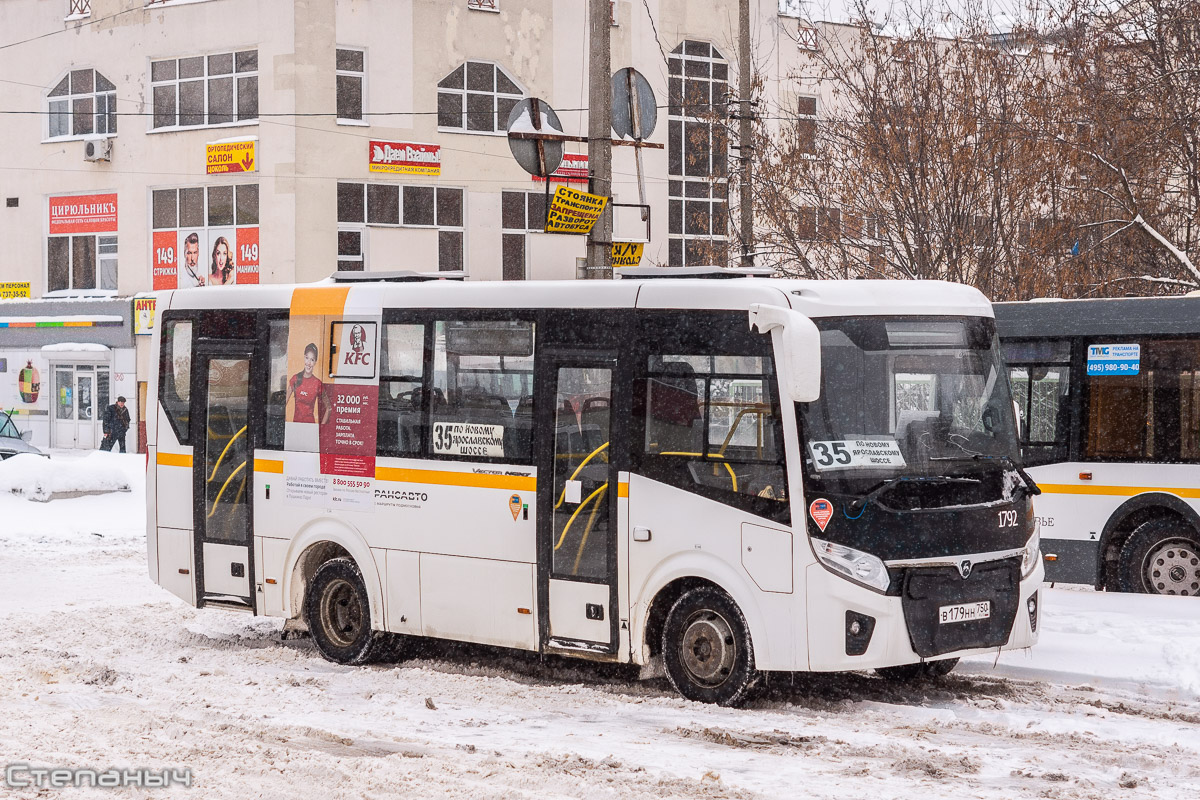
(79, 8)
(520, 213)
(205, 90)
(83, 103)
(698, 189)
(366, 205)
(484, 5)
(477, 98)
(806, 125)
(351, 81)
(81, 262)
(205, 235)
(822, 224)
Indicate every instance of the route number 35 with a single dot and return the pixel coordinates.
(829, 453)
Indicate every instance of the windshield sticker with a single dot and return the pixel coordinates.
(856, 453)
(821, 510)
(1114, 359)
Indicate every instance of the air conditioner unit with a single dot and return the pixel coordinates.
(97, 148)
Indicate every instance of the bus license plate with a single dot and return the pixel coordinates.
(965, 612)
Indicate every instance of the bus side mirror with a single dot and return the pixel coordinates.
(798, 346)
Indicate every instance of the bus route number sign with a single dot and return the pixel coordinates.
(1114, 359)
(468, 439)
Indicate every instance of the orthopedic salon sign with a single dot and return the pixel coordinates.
(405, 158)
(83, 213)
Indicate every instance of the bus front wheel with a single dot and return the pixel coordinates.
(338, 611)
(1161, 556)
(706, 648)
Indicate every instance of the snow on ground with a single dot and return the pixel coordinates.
(35, 477)
(100, 668)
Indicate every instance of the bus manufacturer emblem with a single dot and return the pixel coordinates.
(964, 568)
(821, 511)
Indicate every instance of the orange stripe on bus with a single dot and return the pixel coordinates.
(520, 483)
(623, 489)
(268, 465)
(1120, 491)
(319, 300)
(174, 459)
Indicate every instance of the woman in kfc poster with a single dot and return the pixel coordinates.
(308, 391)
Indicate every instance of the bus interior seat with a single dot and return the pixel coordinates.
(674, 400)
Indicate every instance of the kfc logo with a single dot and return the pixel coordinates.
(356, 349)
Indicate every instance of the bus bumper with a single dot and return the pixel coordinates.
(851, 627)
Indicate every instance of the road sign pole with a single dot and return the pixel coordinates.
(599, 243)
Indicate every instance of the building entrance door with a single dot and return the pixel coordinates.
(81, 395)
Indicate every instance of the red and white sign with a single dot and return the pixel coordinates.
(355, 353)
(164, 273)
(573, 169)
(247, 255)
(405, 158)
(83, 213)
(821, 510)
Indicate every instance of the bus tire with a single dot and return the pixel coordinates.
(924, 670)
(1161, 556)
(707, 650)
(337, 609)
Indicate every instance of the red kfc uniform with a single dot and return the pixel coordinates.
(310, 393)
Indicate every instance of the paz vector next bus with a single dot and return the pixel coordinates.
(724, 477)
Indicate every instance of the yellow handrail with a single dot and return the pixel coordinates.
(732, 475)
(587, 531)
(582, 464)
(760, 410)
(223, 452)
(224, 486)
(582, 505)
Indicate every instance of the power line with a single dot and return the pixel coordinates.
(90, 22)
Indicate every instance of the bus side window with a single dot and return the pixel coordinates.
(482, 403)
(712, 427)
(276, 383)
(1039, 374)
(401, 390)
(175, 375)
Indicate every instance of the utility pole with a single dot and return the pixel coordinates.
(745, 133)
(599, 242)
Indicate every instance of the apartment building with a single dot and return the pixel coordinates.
(154, 144)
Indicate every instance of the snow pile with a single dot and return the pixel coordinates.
(38, 478)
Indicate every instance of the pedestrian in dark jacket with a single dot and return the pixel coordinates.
(116, 423)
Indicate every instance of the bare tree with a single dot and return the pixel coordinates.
(1126, 122)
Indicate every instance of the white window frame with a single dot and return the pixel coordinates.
(361, 258)
(205, 79)
(683, 179)
(72, 290)
(365, 225)
(499, 125)
(362, 79)
(109, 97)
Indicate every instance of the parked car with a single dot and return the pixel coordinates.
(12, 441)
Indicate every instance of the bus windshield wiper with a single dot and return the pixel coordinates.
(875, 491)
(1029, 484)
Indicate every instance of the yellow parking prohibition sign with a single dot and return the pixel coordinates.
(573, 211)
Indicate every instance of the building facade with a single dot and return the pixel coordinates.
(173, 143)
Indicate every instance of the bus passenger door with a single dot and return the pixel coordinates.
(223, 475)
(577, 522)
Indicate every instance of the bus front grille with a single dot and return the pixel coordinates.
(928, 590)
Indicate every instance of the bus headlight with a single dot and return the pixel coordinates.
(1033, 548)
(856, 565)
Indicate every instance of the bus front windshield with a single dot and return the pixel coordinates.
(923, 398)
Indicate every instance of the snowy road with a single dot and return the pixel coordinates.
(100, 668)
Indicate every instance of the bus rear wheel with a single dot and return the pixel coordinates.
(706, 648)
(1161, 556)
(338, 612)
(924, 670)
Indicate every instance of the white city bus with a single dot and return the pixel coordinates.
(1110, 394)
(733, 476)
